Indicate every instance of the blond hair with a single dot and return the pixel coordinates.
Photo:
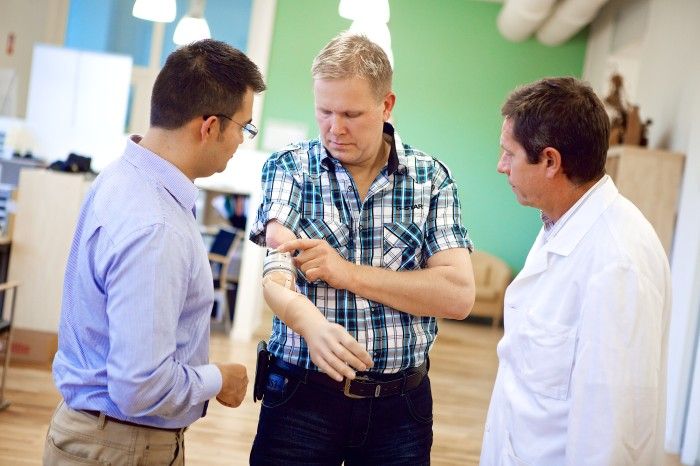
(350, 55)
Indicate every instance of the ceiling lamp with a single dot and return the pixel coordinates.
(377, 32)
(374, 10)
(192, 27)
(162, 11)
(370, 18)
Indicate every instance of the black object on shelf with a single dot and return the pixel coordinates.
(75, 163)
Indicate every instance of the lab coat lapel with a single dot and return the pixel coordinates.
(536, 261)
(520, 288)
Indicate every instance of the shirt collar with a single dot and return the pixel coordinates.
(395, 163)
(547, 226)
(162, 172)
(551, 228)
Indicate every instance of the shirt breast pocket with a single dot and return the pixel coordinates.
(401, 246)
(545, 356)
(336, 234)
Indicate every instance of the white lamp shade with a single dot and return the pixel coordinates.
(377, 32)
(374, 10)
(162, 11)
(191, 29)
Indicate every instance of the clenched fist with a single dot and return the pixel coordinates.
(234, 383)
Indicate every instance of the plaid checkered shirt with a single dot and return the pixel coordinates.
(411, 211)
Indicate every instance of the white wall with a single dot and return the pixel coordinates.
(614, 45)
(663, 65)
(684, 379)
(31, 21)
(77, 102)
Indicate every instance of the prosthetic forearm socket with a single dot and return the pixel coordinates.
(279, 262)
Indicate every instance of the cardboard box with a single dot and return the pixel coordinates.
(33, 346)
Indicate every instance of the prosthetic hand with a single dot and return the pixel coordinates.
(331, 347)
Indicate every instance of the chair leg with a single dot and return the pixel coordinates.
(6, 365)
(8, 346)
(222, 320)
(220, 306)
(226, 316)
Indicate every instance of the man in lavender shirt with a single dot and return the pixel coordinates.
(132, 363)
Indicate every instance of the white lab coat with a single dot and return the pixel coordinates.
(582, 363)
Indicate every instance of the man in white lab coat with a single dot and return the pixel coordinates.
(582, 371)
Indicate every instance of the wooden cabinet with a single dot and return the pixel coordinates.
(651, 179)
(48, 206)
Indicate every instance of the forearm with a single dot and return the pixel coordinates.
(279, 284)
(331, 347)
(167, 390)
(443, 288)
(294, 309)
(440, 291)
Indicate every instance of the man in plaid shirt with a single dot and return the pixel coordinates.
(380, 253)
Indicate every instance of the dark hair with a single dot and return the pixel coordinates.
(206, 77)
(563, 113)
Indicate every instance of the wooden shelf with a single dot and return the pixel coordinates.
(651, 179)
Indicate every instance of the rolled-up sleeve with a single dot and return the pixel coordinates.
(444, 229)
(282, 196)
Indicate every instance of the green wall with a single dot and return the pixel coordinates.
(453, 70)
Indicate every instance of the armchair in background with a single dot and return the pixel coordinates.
(492, 276)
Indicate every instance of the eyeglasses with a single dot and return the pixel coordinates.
(249, 129)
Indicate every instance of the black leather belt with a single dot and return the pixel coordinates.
(127, 423)
(364, 385)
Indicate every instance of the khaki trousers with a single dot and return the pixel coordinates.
(77, 438)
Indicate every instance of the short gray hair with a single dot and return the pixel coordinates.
(350, 55)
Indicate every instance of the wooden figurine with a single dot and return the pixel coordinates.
(626, 126)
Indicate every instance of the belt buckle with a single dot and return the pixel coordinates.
(348, 382)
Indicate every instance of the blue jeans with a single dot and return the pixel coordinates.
(307, 424)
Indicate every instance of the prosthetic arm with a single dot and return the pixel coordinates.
(331, 347)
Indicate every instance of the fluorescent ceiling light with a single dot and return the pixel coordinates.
(162, 11)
